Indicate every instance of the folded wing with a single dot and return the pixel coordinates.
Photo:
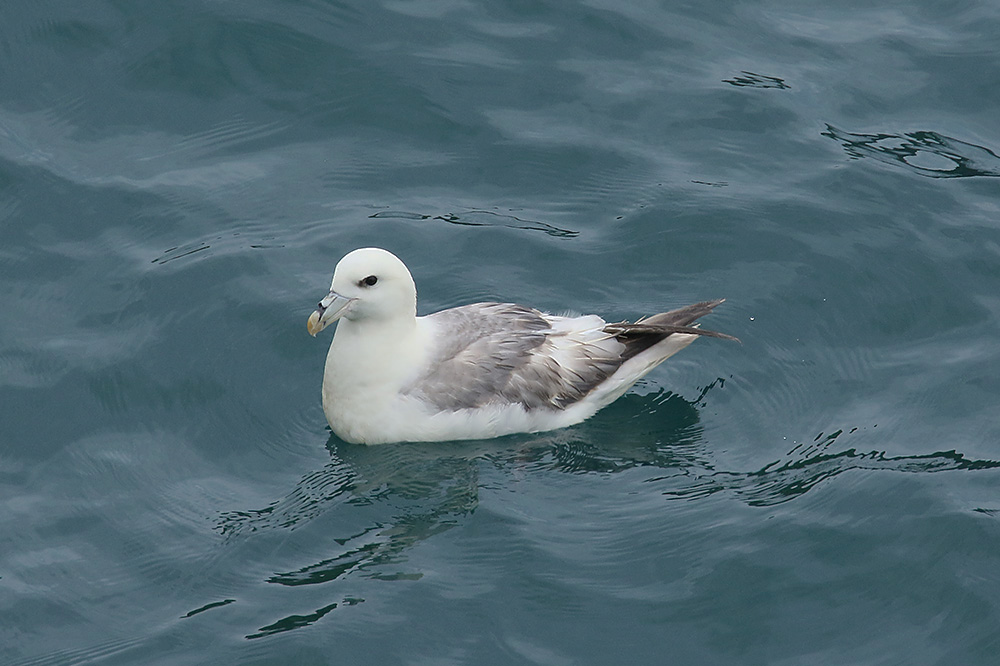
(510, 354)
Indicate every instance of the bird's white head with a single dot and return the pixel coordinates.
(368, 284)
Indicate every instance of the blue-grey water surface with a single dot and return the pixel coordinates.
(178, 180)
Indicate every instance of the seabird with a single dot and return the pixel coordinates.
(475, 371)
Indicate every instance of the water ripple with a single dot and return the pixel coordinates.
(310, 497)
(209, 606)
(806, 466)
(220, 137)
(102, 651)
(292, 622)
(926, 153)
(482, 218)
(751, 80)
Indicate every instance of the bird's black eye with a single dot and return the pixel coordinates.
(369, 281)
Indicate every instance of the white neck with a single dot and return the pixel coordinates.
(369, 350)
(368, 362)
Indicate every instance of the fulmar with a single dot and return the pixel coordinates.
(474, 371)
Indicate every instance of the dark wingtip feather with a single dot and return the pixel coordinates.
(675, 321)
(666, 329)
(694, 330)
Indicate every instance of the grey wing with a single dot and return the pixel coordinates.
(510, 354)
(503, 353)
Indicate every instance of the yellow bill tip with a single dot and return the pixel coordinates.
(313, 325)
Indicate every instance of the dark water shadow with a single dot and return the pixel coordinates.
(482, 218)
(926, 153)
